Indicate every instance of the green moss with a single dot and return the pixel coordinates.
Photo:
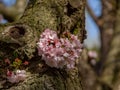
(44, 14)
(76, 31)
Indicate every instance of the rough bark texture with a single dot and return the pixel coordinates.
(21, 36)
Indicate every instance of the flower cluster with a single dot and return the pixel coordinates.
(15, 77)
(59, 52)
(92, 54)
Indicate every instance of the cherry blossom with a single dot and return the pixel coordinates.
(59, 52)
(92, 54)
(15, 77)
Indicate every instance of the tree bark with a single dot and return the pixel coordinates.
(106, 24)
(21, 36)
(107, 27)
(111, 71)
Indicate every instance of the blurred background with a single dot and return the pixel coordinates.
(102, 43)
(93, 37)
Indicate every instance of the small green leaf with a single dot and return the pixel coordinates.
(15, 54)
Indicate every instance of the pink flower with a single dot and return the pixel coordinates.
(26, 63)
(9, 73)
(7, 61)
(59, 52)
(92, 54)
(15, 77)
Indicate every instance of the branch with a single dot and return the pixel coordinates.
(97, 20)
(91, 13)
(14, 12)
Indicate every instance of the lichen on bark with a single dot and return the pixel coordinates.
(21, 37)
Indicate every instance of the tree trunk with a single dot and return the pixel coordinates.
(107, 29)
(21, 36)
(111, 73)
(107, 23)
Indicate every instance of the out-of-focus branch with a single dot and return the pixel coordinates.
(1, 17)
(91, 13)
(97, 20)
(14, 12)
(102, 5)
